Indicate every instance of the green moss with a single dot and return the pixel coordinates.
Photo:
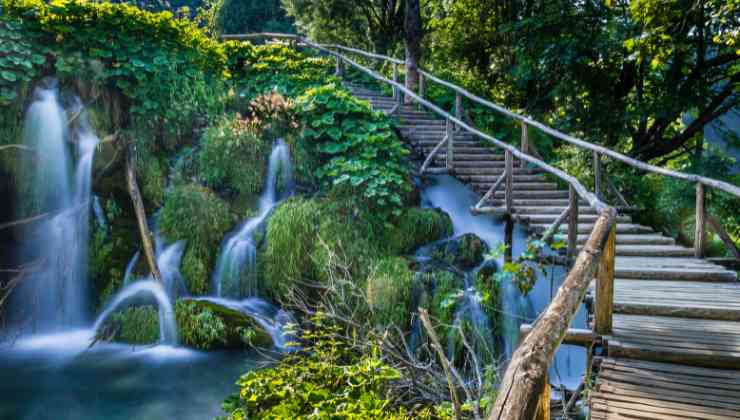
(290, 238)
(151, 177)
(389, 291)
(195, 214)
(416, 227)
(201, 325)
(465, 252)
(233, 157)
(489, 289)
(138, 325)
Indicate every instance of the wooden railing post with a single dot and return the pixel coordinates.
(525, 142)
(422, 85)
(701, 217)
(543, 408)
(458, 108)
(572, 222)
(509, 192)
(605, 286)
(597, 174)
(339, 72)
(396, 93)
(450, 158)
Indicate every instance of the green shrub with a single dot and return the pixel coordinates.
(416, 227)
(138, 325)
(326, 379)
(389, 291)
(358, 151)
(195, 214)
(233, 157)
(151, 176)
(290, 237)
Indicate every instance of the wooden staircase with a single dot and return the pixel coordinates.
(669, 306)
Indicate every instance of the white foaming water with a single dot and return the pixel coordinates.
(167, 325)
(272, 319)
(130, 268)
(236, 271)
(100, 218)
(53, 297)
(168, 262)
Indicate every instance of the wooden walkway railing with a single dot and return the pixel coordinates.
(525, 377)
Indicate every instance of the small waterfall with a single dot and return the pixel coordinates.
(100, 218)
(168, 261)
(130, 268)
(53, 297)
(236, 270)
(167, 324)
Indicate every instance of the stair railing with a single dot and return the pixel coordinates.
(601, 179)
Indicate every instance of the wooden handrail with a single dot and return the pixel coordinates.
(524, 380)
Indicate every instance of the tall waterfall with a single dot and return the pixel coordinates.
(52, 297)
(236, 272)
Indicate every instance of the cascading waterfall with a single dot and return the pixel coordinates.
(236, 272)
(130, 268)
(167, 325)
(53, 297)
(168, 262)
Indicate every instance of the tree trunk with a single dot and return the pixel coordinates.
(146, 235)
(414, 33)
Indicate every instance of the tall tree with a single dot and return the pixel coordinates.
(375, 24)
(413, 36)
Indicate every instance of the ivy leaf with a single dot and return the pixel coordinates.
(9, 76)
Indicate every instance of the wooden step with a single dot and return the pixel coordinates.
(467, 150)
(493, 171)
(550, 218)
(633, 389)
(588, 227)
(555, 210)
(653, 251)
(520, 186)
(626, 239)
(494, 178)
(499, 195)
(670, 268)
(685, 299)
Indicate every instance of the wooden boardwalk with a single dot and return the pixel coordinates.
(669, 306)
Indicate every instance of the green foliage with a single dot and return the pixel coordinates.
(360, 155)
(195, 214)
(138, 325)
(389, 291)
(252, 16)
(233, 156)
(290, 238)
(325, 379)
(154, 60)
(21, 57)
(200, 325)
(275, 67)
(416, 227)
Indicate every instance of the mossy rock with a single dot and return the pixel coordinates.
(489, 289)
(389, 291)
(465, 252)
(197, 215)
(416, 227)
(201, 325)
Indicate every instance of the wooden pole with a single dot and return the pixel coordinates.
(700, 232)
(525, 142)
(450, 145)
(509, 192)
(572, 221)
(597, 174)
(605, 286)
(458, 108)
(146, 235)
(339, 72)
(422, 85)
(396, 93)
(429, 328)
(543, 408)
(524, 381)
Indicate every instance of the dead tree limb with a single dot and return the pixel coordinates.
(17, 146)
(146, 235)
(424, 316)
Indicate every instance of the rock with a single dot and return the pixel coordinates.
(464, 252)
(240, 327)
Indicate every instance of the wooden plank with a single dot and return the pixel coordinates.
(605, 287)
(700, 220)
(667, 367)
(683, 356)
(572, 222)
(627, 389)
(651, 403)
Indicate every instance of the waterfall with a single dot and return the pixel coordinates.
(100, 218)
(236, 270)
(53, 297)
(168, 261)
(130, 268)
(167, 324)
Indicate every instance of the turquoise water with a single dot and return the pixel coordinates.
(57, 377)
